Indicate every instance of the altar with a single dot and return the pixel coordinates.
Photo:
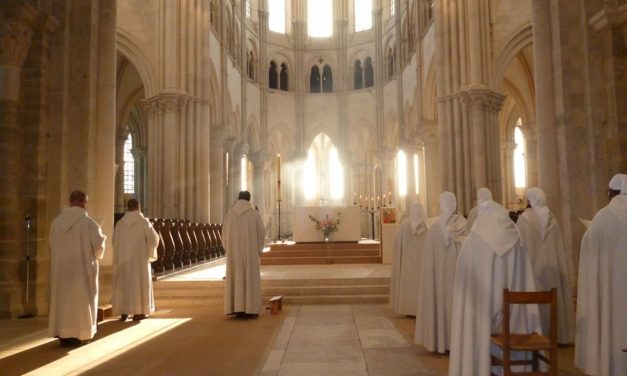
(305, 229)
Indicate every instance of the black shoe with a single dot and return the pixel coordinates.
(123, 317)
(138, 317)
(70, 342)
(240, 315)
(252, 315)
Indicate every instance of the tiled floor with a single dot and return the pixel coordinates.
(342, 340)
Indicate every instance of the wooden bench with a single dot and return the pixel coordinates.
(276, 304)
(104, 311)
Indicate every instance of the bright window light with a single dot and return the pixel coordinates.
(337, 175)
(276, 18)
(402, 173)
(363, 15)
(309, 176)
(320, 18)
(129, 166)
(416, 170)
(520, 159)
(244, 173)
(392, 7)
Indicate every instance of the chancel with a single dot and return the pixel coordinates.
(344, 111)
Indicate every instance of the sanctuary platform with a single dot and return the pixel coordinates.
(322, 253)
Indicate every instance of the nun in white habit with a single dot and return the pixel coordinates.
(435, 294)
(490, 260)
(552, 266)
(408, 248)
(483, 195)
(602, 297)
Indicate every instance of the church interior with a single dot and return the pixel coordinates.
(363, 104)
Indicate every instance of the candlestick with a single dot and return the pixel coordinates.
(354, 198)
(278, 176)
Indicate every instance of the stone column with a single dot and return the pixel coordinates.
(510, 198)
(548, 167)
(16, 30)
(378, 75)
(428, 133)
(262, 74)
(260, 160)
(217, 174)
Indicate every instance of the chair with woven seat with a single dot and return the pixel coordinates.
(542, 347)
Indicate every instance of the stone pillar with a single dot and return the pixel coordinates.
(548, 167)
(217, 174)
(378, 75)
(428, 133)
(16, 29)
(260, 160)
(531, 153)
(510, 198)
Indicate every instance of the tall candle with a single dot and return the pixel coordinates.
(278, 176)
(354, 198)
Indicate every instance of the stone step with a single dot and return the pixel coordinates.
(326, 290)
(324, 246)
(326, 282)
(336, 299)
(322, 253)
(321, 260)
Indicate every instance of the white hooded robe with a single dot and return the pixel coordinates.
(243, 235)
(435, 292)
(76, 245)
(602, 292)
(552, 267)
(134, 247)
(408, 248)
(490, 260)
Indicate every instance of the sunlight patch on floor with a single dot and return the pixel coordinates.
(98, 352)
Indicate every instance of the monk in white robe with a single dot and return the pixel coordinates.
(243, 235)
(76, 245)
(602, 289)
(408, 247)
(135, 244)
(552, 266)
(490, 260)
(435, 292)
(483, 195)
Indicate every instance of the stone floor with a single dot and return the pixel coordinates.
(301, 340)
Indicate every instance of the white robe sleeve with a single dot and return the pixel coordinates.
(97, 239)
(152, 241)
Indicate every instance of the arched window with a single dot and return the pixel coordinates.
(390, 58)
(327, 79)
(276, 16)
(284, 78)
(323, 178)
(129, 166)
(272, 76)
(314, 79)
(248, 9)
(358, 76)
(368, 73)
(392, 7)
(320, 18)
(520, 157)
(363, 15)
(250, 65)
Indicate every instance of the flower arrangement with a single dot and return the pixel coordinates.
(327, 225)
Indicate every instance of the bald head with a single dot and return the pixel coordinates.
(132, 205)
(78, 198)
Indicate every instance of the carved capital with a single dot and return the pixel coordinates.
(427, 131)
(17, 21)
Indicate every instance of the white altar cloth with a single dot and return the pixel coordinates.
(305, 230)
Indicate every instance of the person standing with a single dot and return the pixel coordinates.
(243, 234)
(601, 299)
(437, 274)
(408, 247)
(135, 244)
(76, 244)
(491, 259)
(552, 267)
(483, 195)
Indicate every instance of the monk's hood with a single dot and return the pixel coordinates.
(131, 217)
(70, 215)
(495, 228)
(618, 206)
(242, 206)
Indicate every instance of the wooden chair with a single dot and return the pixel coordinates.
(533, 342)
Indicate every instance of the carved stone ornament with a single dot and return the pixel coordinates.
(15, 33)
